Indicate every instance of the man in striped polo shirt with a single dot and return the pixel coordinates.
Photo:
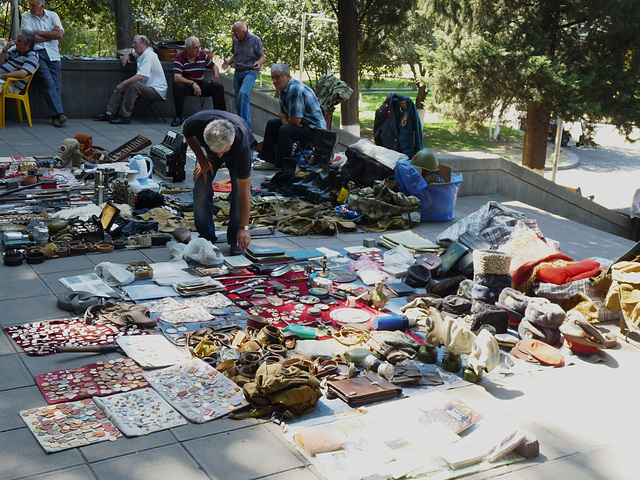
(18, 60)
(188, 79)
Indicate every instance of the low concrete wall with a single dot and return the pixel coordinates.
(88, 84)
(486, 174)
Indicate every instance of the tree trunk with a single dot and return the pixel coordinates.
(124, 23)
(348, 45)
(421, 97)
(534, 152)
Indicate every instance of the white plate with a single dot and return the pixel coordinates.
(349, 315)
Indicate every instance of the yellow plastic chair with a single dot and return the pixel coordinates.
(17, 97)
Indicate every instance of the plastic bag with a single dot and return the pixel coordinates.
(203, 252)
(176, 250)
(114, 274)
(437, 201)
(168, 273)
(398, 256)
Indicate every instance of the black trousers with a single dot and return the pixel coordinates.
(209, 89)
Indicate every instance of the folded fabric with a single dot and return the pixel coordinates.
(527, 330)
(583, 304)
(586, 268)
(527, 251)
(544, 314)
(624, 294)
(587, 286)
(485, 314)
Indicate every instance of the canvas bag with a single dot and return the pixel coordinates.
(281, 388)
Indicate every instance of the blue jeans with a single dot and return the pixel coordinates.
(203, 206)
(50, 75)
(243, 83)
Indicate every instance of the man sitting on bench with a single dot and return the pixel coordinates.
(300, 114)
(188, 79)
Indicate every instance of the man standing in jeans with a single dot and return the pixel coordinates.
(248, 57)
(221, 138)
(48, 29)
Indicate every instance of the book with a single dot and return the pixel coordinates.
(320, 439)
(265, 251)
(455, 415)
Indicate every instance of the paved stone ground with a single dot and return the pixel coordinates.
(610, 172)
(583, 415)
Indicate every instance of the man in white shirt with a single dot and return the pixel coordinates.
(149, 82)
(48, 29)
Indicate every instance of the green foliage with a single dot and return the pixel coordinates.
(577, 57)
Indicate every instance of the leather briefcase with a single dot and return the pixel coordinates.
(363, 390)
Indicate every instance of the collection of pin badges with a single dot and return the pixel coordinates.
(197, 390)
(69, 425)
(43, 338)
(96, 379)
(140, 412)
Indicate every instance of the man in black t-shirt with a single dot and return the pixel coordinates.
(216, 138)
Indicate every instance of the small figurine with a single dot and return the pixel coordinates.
(378, 298)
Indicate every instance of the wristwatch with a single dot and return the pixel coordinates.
(246, 227)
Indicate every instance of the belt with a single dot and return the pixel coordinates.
(243, 69)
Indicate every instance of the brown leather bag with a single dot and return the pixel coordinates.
(88, 150)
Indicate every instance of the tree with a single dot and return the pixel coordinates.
(566, 58)
(361, 26)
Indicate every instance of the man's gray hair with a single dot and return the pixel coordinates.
(189, 41)
(29, 37)
(143, 39)
(280, 67)
(219, 134)
(41, 3)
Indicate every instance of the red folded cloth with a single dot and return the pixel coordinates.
(570, 273)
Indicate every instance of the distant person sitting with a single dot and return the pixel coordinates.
(149, 82)
(18, 60)
(188, 79)
(300, 113)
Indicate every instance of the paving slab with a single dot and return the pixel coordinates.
(166, 463)
(242, 454)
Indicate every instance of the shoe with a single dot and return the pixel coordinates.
(103, 117)
(177, 122)
(264, 166)
(235, 250)
(120, 121)
(59, 120)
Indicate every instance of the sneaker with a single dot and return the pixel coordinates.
(177, 122)
(264, 166)
(62, 118)
(235, 250)
(57, 122)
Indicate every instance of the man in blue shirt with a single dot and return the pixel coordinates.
(248, 57)
(18, 60)
(300, 113)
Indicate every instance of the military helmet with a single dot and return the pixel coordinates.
(426, 159)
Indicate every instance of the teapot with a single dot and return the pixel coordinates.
(143, 165)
